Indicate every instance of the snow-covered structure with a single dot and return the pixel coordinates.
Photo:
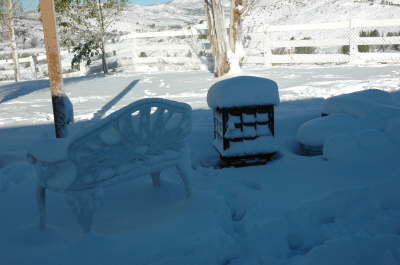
(244, 125)
(142, 138)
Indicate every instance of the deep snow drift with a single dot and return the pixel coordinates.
(295, 210)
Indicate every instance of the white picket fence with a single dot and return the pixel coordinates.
(128, 50)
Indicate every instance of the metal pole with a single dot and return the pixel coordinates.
(60, 101)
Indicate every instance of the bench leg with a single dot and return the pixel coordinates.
(82, 204)
(156, 179)
(184, 171)
(41, 203)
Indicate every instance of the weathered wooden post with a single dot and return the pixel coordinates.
(353, 38)
(62, 107)
(267, 48)
(34, 66)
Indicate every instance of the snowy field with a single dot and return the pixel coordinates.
(295, 210)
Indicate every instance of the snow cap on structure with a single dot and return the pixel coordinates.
(243, 91)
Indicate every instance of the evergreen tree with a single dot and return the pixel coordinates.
(85, 26)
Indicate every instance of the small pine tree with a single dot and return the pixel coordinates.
(85, 26)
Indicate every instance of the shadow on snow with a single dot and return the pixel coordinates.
(14, 90)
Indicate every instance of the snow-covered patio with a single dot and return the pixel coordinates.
(295, 210)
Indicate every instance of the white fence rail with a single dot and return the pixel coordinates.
(128, 50)
(353, 40)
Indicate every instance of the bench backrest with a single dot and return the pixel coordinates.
(128, 138)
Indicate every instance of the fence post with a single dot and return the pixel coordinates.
(267, 48)
(34, 67)
(353, 38)
(82, 67)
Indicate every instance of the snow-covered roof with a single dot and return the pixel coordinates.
(243, 91)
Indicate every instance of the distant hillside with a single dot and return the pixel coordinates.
(180, 13)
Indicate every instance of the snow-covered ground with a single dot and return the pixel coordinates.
(295, 210)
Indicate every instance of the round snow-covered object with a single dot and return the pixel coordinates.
(316, 131)
(243, 91)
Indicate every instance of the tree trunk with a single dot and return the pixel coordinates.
(235, 33)
(102, 32)
(12, 39)
(217, 36)
(235, 24)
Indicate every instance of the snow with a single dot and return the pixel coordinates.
(294, 210)
(243, 91)
(366, 145)
(316, 131)
(392, 130)
(349, 115)
(373, 106)
(50, 150)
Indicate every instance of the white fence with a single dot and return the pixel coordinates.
(188, 51)
(352, 40)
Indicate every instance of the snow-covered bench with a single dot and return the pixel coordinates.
(142, 138)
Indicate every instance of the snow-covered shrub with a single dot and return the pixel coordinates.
(371, 48)
(395, 47)
(280, 51)
(344, 49)
(305, 50)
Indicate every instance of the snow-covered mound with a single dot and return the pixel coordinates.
(366, 145)
(355, 127)
(316, 131)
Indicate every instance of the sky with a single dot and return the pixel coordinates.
(32, 4)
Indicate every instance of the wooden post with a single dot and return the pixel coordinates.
(353, 37)
(267, 45)
(34, 67)
(59, 99)
(82, 68)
